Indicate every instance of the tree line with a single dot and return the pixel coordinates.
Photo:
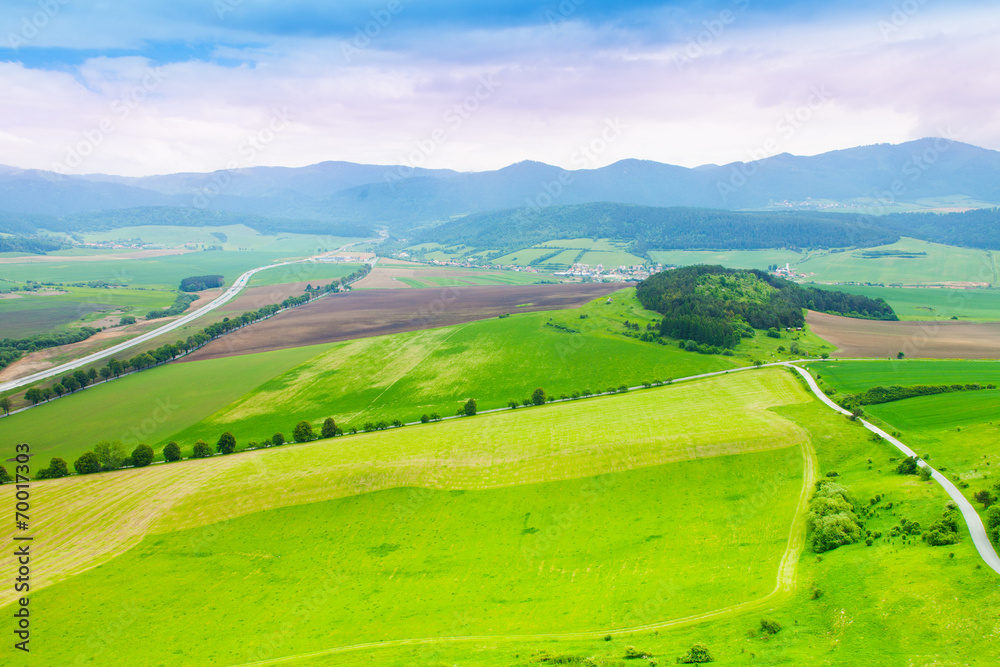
(11, 349)
(81, 379)
(878, 395)
(199, 283)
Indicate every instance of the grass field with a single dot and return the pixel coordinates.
(939, 264)
(315, 272)
(34, 313)
(972, 305)
(427, 532)
(856, 376)
(230, 237)
(736, 259)
(160, 273)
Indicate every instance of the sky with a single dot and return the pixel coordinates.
(164, 86)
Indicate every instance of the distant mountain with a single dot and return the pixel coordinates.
(405, 200)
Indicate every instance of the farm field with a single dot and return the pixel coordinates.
(230, 237)
(668, 541)
(934, 340)
(931, 264)
(303, 272)
(362, 313)
(27, 313)
(922, 304)
(399, 276)
(159, 273)
(736, 259)
(400, 376)
(857, 376)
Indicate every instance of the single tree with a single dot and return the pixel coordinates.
(435, 417)
(201, 450)
(4, 475)
(226, 444)
(87, 464)
(142, 456)
(329, 428)
(538, 396)
(57, 468)
(81, 376)
(278, 439)
(91, 374)
(105, 373)
(110, 454)
(172, 452)
(984, 497)
(34, 395)
(5, 404)
(512, 405)
(470, 407)
(900, 355)
(47, 393)
(424, 418)
(58, 389)
(303, 432)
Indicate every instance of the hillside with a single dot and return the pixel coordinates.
(716, 307)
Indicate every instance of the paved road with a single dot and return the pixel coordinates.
(226, 296)
(979, 537)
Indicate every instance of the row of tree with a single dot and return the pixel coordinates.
(81, 379)
(11, 349)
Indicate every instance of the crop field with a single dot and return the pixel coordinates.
(362, 313)
(230, 237)
(164, 272)
(397, 276)
(585, 251)
(611, 259)
(27, 313)
(927, 264)
(576, 534)
(857, 376)
(932, 340)
(922, 304)
(302, 272)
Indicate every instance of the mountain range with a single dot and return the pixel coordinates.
(339, 194)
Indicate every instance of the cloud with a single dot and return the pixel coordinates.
(692, 87)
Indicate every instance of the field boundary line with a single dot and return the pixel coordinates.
(972, 519)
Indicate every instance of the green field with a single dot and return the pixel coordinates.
(611, 259)
(857, 376)
(33, 312)
(736, 259)
(159, 273)
(230, 237)
(314, 272)
(581, 536)
(939, 264)
(972, 305)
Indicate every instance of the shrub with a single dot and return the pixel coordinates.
(87, 464)
(924, 474)
(907, 466)
(770, 626)
(697, 654)
(538, 396)
(57, 468)
(142, 456)
(424, 418)
(303, 432)
(832, 521)
(5, 478)
(984, 497)
(329, 429)
(172, 452)
(278, 439)
(943, 531)
(470, 407)
(632, 653)
(201, 450)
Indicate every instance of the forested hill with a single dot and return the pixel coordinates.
(716, 306)
(654, 228)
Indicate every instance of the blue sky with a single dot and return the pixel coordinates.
(196, 85)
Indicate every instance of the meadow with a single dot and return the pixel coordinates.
(545, 545)
(735, 259)
(932, 263)
(229, 237)
(920, 304)
(857, 376)
(32, 312)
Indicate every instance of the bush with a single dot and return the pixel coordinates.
(329, 429)
(538, 396)
(470, 407)
(770, 626)
(142, 456)
(907, 466)
(632, 653)
(87, 464)
(278, 439)
(4, 475)
(201, 450)
(57, 468)
(425, 418)
(944, 531)
(993, 524)
(697, 654)
(172, 452)
(832, 521)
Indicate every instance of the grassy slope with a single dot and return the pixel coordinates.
(894, 603)
(941, 264)
(736, 259)
(396, 576)
(973, 305)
